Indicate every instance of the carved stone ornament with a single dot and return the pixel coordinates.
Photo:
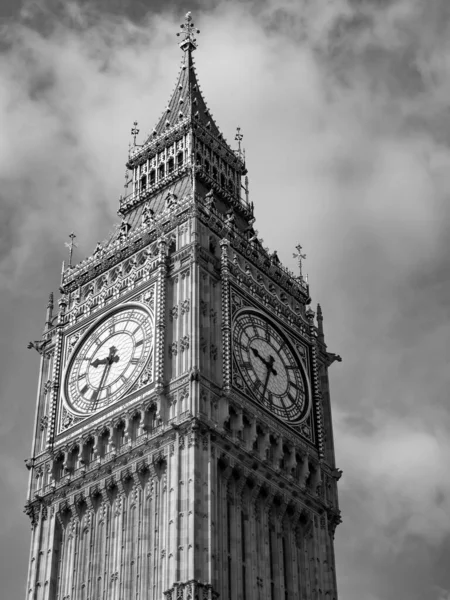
(67, 419)
(185, 306)
(149, 296)
(184, 343)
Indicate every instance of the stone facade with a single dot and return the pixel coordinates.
(187, 487)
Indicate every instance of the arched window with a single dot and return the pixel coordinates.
(198, 159)
(120, 434)
(143, 183)
(171, 164)
(161, 171)
(207, 168)
(152, 177)
(215, 173)
(222, 180)
(180, 159)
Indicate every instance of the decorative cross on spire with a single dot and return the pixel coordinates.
(71, 245)
(239, 137)
(188, 30)
(301, 257)
(134, 131)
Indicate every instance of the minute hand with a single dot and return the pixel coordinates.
(270, 371)
(102, 381)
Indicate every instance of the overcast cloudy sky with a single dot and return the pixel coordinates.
(344, 106)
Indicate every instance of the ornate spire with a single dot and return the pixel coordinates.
(186, 102)
(300, 257)
(320, 323)
(186, 143)
(135, 132)
(49, 315)
(188, 30)
(71, 245)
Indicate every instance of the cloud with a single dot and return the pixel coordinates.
(343, 106)
(442, 594)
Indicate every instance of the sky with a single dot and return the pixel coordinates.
(344, 107)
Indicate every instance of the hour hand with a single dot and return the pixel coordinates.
(97, 362)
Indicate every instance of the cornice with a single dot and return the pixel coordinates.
(253, 253)
(118, 251)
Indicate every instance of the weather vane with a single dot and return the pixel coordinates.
(71, 245)
(134, 131)
(239, 137)
(301, 257)
(189, 31)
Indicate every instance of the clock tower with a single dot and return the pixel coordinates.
(183, 445)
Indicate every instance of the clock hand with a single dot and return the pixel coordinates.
(270, 371)
(112, 357)
(108, 361)
(256, 353)
(102, 382)
(268, 363)
(97, 362)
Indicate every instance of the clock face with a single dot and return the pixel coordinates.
(109, 360)
(270, 367)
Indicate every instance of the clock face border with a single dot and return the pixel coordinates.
(84, 341)
(305, 412)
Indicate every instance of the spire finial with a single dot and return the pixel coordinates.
(49, 316)
(239, 137)
(134, 131)
(71, 245)
(188, 30)
(301, 257)
(320, 323)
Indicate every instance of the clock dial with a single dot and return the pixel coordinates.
(109, 360)
(270, 367)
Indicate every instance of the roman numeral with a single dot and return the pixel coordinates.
(135, 361)
(291, 398)
(85, 389)
(139, 343)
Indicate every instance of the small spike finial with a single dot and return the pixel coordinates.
(71, 245)
(134, 131)
(188, 30)
(238, 137)
(49, 315)
(320, 323)
(301, 257)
